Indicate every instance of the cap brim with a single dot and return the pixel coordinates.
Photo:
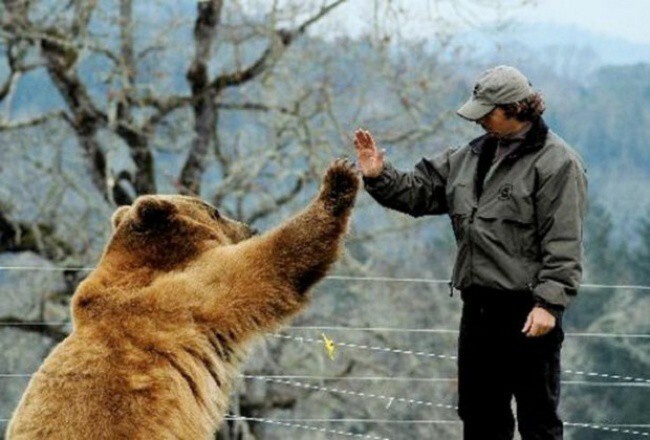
(474, 110)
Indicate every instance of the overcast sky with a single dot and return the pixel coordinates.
(626, 19)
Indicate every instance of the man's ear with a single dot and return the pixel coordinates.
(151, 212)
(119, 215)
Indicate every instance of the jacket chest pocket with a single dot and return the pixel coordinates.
(509, 220)
(460, 199)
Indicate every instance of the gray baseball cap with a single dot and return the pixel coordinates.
(498, 85)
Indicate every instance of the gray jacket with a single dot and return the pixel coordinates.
(520, 229)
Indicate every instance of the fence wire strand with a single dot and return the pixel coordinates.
(302, 339)
(336, 277)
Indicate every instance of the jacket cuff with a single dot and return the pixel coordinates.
(551, 297)
(381, 181)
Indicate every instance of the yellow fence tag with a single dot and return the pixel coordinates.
(329, 346)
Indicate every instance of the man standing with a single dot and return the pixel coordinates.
(516, 197)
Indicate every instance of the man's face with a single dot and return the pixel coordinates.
(498, 124)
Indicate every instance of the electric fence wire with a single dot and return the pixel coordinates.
(337, 277)
(365, 329)
(303, 339)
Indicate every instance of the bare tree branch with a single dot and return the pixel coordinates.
(83, 10)
(34, 36)
(61, 57)
(34, 121)
(164, 107)
(39, 238)
(6, 87)
(278, 202)
(127, 49)
(204, 97)
(160, 41)
(413, 136)
(15, 14)
(280, 42)
(254, 106)
(206, 92)
(137, 138)
(8, 92)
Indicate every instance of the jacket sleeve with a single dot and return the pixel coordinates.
(561, 205)
(419, 192)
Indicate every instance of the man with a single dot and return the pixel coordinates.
(516, 198)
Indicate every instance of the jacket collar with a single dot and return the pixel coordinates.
(534, 141)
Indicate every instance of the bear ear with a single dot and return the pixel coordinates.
(152, 212)
(119, 215)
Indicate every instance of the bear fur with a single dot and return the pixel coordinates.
(162, 324)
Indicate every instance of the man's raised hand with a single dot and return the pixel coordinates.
(370, 160)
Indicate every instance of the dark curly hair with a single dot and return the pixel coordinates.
(528, 109)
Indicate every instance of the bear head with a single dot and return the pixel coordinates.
(165, 231)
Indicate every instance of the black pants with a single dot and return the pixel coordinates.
(497, 362)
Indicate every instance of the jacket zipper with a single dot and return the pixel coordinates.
(471, 240)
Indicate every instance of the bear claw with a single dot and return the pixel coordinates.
(340, 186)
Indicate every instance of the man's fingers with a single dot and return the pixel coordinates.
(538, 329)
(368, 137)
(534, 329)
(360, 147)
(545, 328)
(360, 136)
(364, 139)
(528, 324)
(357, 139)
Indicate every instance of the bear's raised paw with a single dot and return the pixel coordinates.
(340, 186)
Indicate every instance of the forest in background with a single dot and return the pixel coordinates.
(119, 105)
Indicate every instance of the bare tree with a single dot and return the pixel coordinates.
(64, 43)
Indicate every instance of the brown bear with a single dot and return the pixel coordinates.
(162, 324)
